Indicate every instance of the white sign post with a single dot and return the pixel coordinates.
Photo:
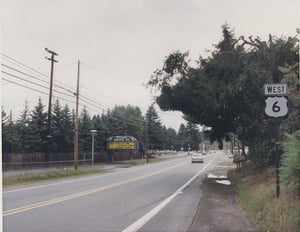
(276, 106)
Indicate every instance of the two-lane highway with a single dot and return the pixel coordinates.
(156, 197)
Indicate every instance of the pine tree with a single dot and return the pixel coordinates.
(67, 127)
(23, 129)
(38, 128)
(6, 143)
(84, 127)
(155, 138)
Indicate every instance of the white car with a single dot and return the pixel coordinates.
(197, 158)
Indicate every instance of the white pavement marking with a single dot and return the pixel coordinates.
(147, 217)
(73, 180)
(84, 193)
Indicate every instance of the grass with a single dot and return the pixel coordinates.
(31, 177)
(257, 196)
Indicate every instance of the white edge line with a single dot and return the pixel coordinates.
(147, 217)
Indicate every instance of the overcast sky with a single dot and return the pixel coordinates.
(120, 43)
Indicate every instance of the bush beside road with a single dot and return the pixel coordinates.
(256, 193)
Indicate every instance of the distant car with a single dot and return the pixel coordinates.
(204, 152)
(197, 158)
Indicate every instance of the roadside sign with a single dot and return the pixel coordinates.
(276, 107)
(118, 145)
(122, 143)
(275, 89)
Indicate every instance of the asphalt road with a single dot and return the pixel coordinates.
(157, 197)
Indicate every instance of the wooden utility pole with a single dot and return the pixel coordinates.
(147, 141)
(50, 103)
(76, 121)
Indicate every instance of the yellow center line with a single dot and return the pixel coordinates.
(83, 193)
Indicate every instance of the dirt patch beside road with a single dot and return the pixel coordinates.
(218, 210)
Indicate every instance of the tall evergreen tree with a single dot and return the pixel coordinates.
(67, 127)
(84, 127)
(6, 134)
(183, 139)
(155, 135)
(193, 135)
(23, 129)
(57, 133)
(38, 128)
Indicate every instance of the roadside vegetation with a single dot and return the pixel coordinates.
(224, 92)
(30, 177)
(257, 191)
(257, 197)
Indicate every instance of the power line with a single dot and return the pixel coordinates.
(34, 83)
(94, 105)
(111, 75)
(3, 78)
(32, 70)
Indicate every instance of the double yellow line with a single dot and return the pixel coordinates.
(84, 193)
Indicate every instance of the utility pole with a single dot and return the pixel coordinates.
(50, 102)
(76, 121)
(93, 140)
(147, 138)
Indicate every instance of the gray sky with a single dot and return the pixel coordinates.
(120, 43)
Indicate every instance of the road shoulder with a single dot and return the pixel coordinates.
(218, 209)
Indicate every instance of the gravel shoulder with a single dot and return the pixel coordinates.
(218, 209)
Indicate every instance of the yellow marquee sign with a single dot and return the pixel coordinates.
(121, 145)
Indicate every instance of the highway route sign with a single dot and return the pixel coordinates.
(277, 89)
(276, 107)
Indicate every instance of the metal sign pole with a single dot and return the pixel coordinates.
(276, 107)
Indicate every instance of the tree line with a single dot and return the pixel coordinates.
(28, 133)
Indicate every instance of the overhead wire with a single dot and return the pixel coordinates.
(3, 78)
(109, 74)
(37, 74)
(112, 75)
(117, 116)
(94, 105)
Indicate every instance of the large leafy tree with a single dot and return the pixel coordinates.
(206, 94)
(225, 91)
